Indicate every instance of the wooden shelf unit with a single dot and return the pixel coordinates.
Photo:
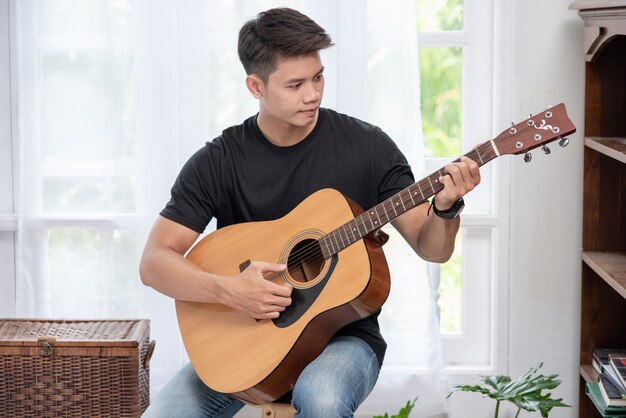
(603, 299)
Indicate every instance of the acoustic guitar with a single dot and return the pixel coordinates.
(335, 264)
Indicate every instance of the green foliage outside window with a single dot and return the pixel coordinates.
(440, 79)
(440, 72)
(439, 15)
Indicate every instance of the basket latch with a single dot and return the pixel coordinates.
(46, 346)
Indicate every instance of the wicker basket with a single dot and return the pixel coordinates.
(53, 368)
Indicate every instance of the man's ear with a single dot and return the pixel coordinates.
(255, 85)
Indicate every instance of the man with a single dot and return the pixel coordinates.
(260, 170)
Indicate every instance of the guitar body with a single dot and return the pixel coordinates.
(259, 361)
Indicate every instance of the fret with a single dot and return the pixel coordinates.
(495, 149)
(370, 218)
(351, 229)
(339, 230)
(357, 235)
(337, 237)
(382, 220)
(396, 206)
(411, 196)
(402, 201)
(347, 231)
(477, 151)
(378, 216)
(346, 241)
(329, 241)
(393, 206)
(336, 242)
(343, 244)
(323, 241)
(358, 221)
(362, 219)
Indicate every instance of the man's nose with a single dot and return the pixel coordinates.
(311, 94)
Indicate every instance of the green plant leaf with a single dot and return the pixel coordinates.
(526, 392)
(403, 413)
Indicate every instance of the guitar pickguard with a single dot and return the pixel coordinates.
(302, 299)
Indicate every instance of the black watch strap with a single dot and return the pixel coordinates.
(452, 213)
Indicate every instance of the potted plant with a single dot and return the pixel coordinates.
(526, 392)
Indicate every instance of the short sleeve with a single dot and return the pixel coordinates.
(192, 196)
(391, 168)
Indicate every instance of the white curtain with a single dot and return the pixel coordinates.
(113, 96)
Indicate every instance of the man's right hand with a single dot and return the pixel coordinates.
(254, 295)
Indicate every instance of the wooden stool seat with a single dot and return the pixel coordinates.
(277, 410)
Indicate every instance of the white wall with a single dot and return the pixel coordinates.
(546, 205)
(546, 200)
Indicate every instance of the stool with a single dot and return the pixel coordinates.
(277, 410)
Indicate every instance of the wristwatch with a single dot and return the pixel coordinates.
(452, 213)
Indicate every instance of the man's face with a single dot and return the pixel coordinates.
(293, 92)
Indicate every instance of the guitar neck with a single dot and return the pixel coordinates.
(386, 211)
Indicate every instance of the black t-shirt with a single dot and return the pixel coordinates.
(240, 176)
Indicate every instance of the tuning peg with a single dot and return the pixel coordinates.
(545, 149)
(563, 142)
(527, 157)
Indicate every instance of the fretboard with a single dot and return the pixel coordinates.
(383, 213)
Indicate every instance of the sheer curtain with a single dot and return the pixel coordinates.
(113, 96)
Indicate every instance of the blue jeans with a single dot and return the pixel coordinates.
(333, 385)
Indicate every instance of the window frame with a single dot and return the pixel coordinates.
(481, 116)
(7, 217)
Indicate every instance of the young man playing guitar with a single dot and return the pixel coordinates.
(260, 171)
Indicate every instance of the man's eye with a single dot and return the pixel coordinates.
(294, 86)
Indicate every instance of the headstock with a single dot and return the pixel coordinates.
(536, 131)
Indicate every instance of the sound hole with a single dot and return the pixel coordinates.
(305, 261)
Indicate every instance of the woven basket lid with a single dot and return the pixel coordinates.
(88, 333)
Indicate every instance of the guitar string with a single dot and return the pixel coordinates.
(311, 252)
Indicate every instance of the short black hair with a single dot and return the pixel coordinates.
(278, 33)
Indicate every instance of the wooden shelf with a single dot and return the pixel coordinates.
(603, 276)
(588, 373)
(611, 266)
(612, 147)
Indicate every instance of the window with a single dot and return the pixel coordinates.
(78, 170)
(456, 72)
(109, 98)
